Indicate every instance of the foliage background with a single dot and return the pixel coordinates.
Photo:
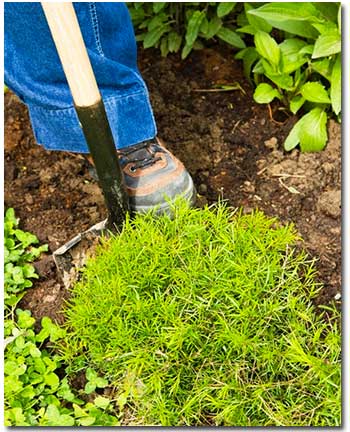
(290, 51)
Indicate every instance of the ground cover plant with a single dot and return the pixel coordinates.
(290, 52)
(35, 392)
(206, 318)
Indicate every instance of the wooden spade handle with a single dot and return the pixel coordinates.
(89, 106)
(71, 49)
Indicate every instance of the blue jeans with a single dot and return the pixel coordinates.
(34, 72)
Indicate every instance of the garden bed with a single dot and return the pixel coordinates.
(231, 146)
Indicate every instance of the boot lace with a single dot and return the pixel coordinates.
(140, 155)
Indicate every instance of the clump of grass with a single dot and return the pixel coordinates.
(207, 318)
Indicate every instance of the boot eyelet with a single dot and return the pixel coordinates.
(132, 169)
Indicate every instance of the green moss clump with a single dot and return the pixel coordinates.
(207, 319)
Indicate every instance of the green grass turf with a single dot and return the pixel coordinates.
(207, 318)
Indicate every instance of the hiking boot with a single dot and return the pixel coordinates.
(154, 177)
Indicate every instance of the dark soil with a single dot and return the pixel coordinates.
(232, 147)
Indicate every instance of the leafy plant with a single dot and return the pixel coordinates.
(35, 395)
(94, 381)
(206, 318)
(174, 26)
(18, 253)
(303, 70)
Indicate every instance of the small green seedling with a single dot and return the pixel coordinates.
(94, 381)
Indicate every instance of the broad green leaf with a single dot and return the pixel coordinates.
(249, 56)
(174, 41)
(285, 82)
(282, 11)
(231, 37)
(52, 380)
(101, 382)
(137, 15)
(292, 46)
(164, 49)
(90, 374)
(87, 421)
(185, 51)
(339, 19)
(327, 44)
(53, 415)
(153, 36)
(25, 238)
(49, 329)
(294, 18)
(336, 85)
(292, 63)
(51, 363)
(214, 26)
(39, 365)
(225, 8)
(327, 27)
(315, 92)
(308, 49)
(89, 387)
(291, 57)
(66, 420)
(297, 28)
(102, 402)
(242, 19)
(259, 68)
(264, 93)
(313, 131)
(292, 139)
(10, 220)
(29, 271)
(323, 67)
(203, 29)
(156, 22)
(14, 368)
(249, 29)
(78, 411)
(28, 392)
(144, 23)
(138, 5)
(193, 26)
(158, 6)
(34, 351)
(25, 320)
(329, 10)
(296, 103)
(267, 47)
(256, 22)
(18, 417)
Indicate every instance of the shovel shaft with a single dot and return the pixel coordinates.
(90, 109)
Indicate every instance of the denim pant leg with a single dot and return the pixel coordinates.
(34, 72)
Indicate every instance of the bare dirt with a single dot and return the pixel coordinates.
(232, 147)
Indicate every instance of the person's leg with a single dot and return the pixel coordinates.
(33, 71)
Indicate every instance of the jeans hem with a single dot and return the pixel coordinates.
(130, 117)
